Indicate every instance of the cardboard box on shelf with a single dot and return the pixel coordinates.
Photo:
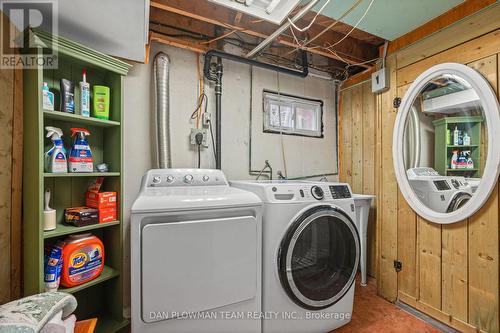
(107, 215)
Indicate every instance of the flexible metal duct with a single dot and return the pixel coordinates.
(161, 68)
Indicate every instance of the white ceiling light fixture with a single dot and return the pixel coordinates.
(274, 11)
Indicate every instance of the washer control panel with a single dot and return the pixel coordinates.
(308, 192)
(184, 177)
(340, 191)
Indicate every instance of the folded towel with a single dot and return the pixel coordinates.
(31, 314)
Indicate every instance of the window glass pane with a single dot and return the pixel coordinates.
(285, 116)
(292, 115)
(306, 118)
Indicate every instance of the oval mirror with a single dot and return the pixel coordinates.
(444, 141)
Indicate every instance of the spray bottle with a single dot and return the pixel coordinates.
(55, 157)
(80, 156)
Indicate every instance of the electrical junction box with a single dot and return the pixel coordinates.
(380, 80)
(204, 140)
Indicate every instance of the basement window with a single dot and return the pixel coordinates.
(292, 115)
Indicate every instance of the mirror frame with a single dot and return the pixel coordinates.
(491, 111)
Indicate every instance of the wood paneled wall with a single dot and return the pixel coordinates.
(357, 157)
(11, 142)
(450, 272)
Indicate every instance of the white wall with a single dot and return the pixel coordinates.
(115, 27)
(139, 131)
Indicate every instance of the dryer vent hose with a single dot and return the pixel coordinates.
(161, 71)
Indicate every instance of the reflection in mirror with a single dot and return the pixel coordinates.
(445, 143)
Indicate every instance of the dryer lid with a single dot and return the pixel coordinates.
(188, 189)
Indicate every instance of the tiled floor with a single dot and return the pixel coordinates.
(373, 314)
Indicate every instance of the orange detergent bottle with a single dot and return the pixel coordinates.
(83, 259)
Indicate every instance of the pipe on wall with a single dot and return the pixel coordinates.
(161, 71)
(216, 76)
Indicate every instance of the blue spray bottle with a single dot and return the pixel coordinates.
(80, 156)
(55, 157)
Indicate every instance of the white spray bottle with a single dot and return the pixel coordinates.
(55, 158)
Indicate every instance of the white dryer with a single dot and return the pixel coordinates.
(310, 254)
(195, 254)
(443, 194)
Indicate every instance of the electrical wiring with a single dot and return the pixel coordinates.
(312, 21)
(201, 98)
(283, 156)
(199, 157)
(354, 27)
(220, 37)
(213, 141)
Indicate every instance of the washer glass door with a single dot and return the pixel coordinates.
(318, 257)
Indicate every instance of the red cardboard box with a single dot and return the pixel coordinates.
(107, 215)
(101, 200)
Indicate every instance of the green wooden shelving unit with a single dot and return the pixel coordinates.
(443, 151)
(103, 296)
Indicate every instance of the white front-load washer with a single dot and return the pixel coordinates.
(195, 254)
(310, 255)
(443, 194)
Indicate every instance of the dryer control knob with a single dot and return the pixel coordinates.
(170, 179)
(206, 178)
(317, 192)
(156, 179)
(188, 179)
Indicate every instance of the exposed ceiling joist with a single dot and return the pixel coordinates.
(194, 35)
(352, 51)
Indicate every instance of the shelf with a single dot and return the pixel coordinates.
(458, 120)
(106, 274)
(74, 118)
(107, 324)
(462, 146)
(461, 170)
(81, 174)
(63, 229)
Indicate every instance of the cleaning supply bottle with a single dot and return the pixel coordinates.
(53, 267)
(101, 102)
(470, 162)
(67, 96)
(80, 156)
(55, 157)
(461, 161)
(454, 160)
(48, 98)
(466, 140)
(84, 95)
(448, 136)
(456, 135)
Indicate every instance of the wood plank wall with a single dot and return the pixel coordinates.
(357, 160)
(11, 143)
(450, 272)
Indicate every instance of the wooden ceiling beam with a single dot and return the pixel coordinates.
(351, 50)
(178, 42)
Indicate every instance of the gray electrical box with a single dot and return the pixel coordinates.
(380, 80)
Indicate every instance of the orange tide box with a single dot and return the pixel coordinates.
(107, 215)
(101, 200)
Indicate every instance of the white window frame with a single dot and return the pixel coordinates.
(270, 98)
